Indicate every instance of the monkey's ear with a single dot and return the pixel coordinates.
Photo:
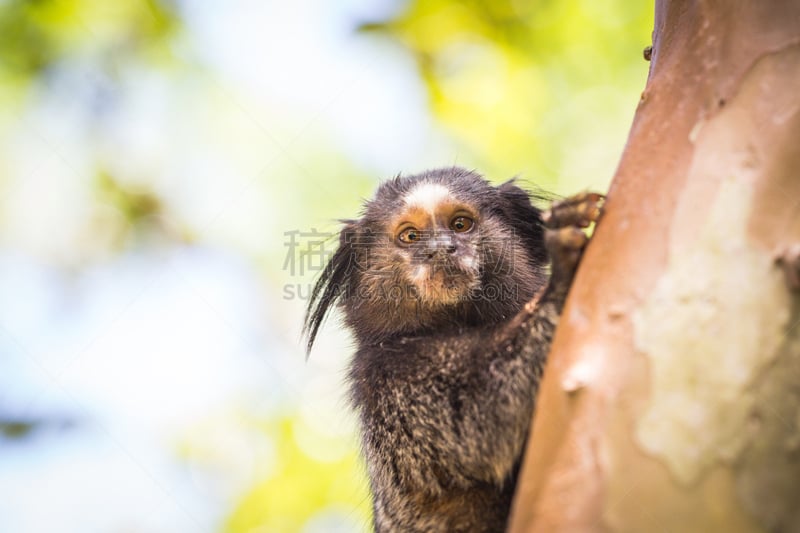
(526, 219)
(332, 284)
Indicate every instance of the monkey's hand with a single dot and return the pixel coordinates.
(565, 236)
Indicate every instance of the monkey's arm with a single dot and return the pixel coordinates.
(452, 410)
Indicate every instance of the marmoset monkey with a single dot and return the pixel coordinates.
(443, 281)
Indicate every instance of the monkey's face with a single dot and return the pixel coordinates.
(438, 249)
(435, 244)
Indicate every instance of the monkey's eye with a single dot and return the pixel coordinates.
(409, 235)
(461, 224)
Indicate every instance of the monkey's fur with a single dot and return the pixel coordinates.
(452, 328)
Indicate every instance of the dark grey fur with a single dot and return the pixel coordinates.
(445, 392)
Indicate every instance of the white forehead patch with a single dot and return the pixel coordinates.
(427, 196)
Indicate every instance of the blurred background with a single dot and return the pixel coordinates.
(170, 175)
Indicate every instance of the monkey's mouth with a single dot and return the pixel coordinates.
(442, 283)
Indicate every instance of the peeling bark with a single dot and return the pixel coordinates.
(671, 401)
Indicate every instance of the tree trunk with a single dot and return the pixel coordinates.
(671, 401)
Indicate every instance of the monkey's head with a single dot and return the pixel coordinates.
(441, 249)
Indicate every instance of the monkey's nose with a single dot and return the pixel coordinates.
(440, 245)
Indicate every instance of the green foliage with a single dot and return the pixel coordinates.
(134, 205)
(37, 34)
(15, 429)
(543, 88)
(312, 474)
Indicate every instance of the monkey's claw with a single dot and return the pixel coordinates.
(564, 235)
